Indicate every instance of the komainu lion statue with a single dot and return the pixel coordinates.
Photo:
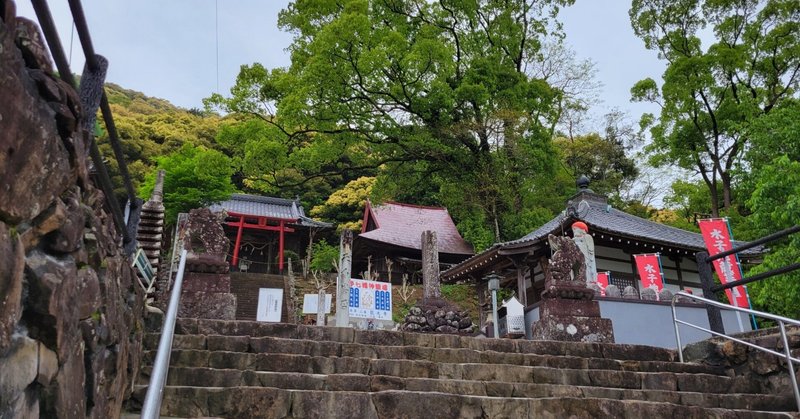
(567, 263)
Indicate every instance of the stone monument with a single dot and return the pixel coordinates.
(206, 290)
(568, 311)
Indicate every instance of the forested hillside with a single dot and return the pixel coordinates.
(481, 107)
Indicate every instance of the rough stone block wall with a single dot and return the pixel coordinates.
(70, 308)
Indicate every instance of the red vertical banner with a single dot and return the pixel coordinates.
(649, 267)
(717, 237)
(602, 281)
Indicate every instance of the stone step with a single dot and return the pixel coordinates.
(180, 376)
(509, 373)
(391, 338)
(246, 344)
(261, 402)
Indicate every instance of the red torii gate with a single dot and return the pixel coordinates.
(261, 224)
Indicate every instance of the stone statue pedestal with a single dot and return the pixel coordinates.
(572, 320)
(568, 312)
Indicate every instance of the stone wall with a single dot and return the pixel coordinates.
(70, 307)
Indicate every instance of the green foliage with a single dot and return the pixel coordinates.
(603, 160)
(432, 98)
(195, 177)
(776, 205)
(710, 96)
(400, 312)
(345, 207)
(324, 257)
(149, 128)
(457, 292)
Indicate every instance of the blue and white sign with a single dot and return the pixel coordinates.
(370, 299)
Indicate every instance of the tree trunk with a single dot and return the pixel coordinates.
(726, 191)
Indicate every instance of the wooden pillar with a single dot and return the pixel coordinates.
(280, 249)
(235, 261)
(430, 266)
(522, 290)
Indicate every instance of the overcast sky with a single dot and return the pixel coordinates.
(167, 49)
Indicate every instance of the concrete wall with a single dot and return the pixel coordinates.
(650, 323)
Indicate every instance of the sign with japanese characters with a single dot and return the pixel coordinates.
(650, 274)
(370, 299)
(270, 303)
(717, 237)
(602, 281)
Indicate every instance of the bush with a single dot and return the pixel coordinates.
(324, 257)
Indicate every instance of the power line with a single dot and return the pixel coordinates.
(216, 35)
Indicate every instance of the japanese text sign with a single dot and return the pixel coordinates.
(717, 238)
(649, 267)
(370, 299)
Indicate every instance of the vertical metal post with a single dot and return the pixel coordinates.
(677, 332)
(790, 365)
(707, 281)
(495, 320)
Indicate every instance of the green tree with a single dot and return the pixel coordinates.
(195, 177)
(434, 92)
(148, 128)
(709, 96)
(775, 205)
(605, 162)
(345, 207)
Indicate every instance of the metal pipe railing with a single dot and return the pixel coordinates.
(764, 240)
(155, 390)
(62, 64)
(782, 321)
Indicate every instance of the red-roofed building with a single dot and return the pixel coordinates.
(394, 230)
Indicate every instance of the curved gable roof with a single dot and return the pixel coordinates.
(403, 224)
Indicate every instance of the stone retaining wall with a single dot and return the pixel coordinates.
(70, 308)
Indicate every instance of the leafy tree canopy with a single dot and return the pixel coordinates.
(345, 207)
(438, 99)
(195, 177)
(149, 128)
(710, 96)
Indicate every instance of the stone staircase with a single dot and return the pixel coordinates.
(243, 369)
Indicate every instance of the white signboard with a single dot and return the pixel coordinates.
(270, 303)
(310, 303)
(370, 299)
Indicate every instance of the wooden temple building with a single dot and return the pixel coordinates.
(617, 236)
(264, 229)
(392, 231)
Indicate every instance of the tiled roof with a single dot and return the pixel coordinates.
(599, 215)
(267, 206)
(403, 224)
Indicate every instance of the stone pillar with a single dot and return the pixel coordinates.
(206, 290)
(430, 266)
(321, 307)
(343, 279)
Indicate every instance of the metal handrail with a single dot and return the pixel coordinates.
(155, 390)
(782, 321)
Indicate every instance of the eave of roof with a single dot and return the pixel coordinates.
(601, 219)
